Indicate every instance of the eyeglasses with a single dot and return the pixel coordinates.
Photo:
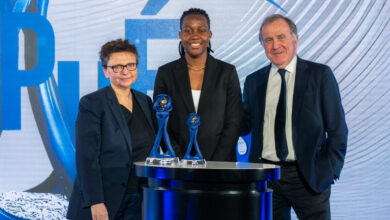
(118, 68)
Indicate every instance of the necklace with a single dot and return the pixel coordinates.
(194, 68)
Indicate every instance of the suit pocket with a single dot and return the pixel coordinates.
(320, 149)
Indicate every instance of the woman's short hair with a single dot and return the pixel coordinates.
(115, 46)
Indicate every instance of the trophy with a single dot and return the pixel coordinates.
(193, 123)
(162, 106)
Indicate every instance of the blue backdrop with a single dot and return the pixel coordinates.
(49, 59)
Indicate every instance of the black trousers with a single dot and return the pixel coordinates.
(292, 191)
(130, 208)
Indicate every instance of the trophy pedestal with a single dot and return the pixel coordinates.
(216, 190)
(193, 163)
(174, 161)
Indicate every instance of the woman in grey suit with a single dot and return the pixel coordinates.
(197, 82)
(114, 128)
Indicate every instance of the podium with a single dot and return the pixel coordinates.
(218, 190)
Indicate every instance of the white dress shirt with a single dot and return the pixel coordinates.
(271, 102)
(195, 98)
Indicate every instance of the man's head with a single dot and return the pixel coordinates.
(278, 35)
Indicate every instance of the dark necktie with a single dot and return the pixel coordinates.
(280, 121)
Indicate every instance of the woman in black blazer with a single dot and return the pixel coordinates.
(199, 83)
(114, 128)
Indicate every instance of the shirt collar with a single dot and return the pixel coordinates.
(291, 67)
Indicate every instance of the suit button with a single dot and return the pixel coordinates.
(124, 185)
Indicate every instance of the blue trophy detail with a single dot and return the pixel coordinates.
(193, 123)
(162, 106)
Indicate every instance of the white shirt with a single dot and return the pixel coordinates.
(271, 102)
(195, 98)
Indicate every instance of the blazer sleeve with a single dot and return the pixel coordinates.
(227, 142)
(246, 124)
(334, 122)
(88, 143)
(160, 87)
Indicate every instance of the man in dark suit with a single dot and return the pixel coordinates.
(114, 128)
(293, 109)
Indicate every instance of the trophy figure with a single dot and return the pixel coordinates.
(162, 106)
(193, 123)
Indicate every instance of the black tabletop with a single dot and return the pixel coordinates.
(213, 171)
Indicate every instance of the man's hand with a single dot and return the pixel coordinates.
(99, 212)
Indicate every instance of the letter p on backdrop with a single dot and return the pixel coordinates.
(11, 78)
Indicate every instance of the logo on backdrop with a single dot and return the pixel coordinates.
(55, 104)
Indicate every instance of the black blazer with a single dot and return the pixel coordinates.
(220, 107)
(103, 152)
(318, 123)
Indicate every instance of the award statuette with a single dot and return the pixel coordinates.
(193, 123)
(162, 106)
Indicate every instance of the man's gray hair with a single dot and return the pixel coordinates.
(274, 17)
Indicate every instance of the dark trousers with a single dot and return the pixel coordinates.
(130, 208)
(292, 191)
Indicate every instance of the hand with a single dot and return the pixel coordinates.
(99, 212)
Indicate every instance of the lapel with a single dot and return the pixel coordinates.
(301, 79)
(117, 113)
(261, 90)
(209, 81)
(144, 106)
(258, 94)
(183, 84)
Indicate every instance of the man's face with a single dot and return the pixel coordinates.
(279, 43)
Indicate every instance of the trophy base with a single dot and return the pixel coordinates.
(193, 163)
(162, 161)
